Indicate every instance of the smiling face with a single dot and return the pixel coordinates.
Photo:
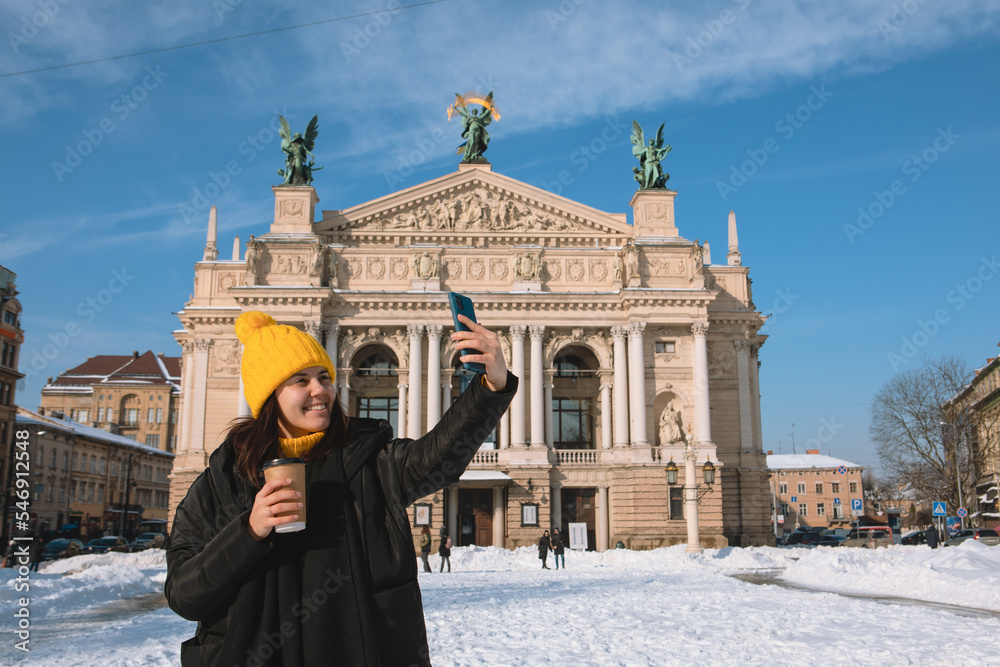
(305, 402)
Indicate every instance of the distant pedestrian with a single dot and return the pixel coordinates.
(34, 555)
(425, 547)
(445, 552)
(932, 537)
(543, 548)
(558, 548)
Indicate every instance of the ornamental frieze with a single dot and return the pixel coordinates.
(399, 268)
(476, 269)
(453, 269)
(574, 269)
(478, 209)
(551, 269)
(354, 268)
(499, 268)
(721, 359)
(286, 264)
(376, 268)
(226, 357)
(226, 282)
(664, 268)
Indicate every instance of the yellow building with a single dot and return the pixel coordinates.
(135, 396)
(626, 337)
(11, 338)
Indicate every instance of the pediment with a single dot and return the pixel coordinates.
(473, 200)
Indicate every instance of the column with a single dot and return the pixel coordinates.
(602, 518)
(549, 377)
(314, 329)
(702, 421)
(517, 368)
(446, 377)
(621, 386)
(345, 392)
(606, 385)
(498, 517)
(401, 426)
(691, 500)
(433, 375)
(187, 374)
(755, 397)
(743, 383)
(416, 375)
(637, 385)
(452, 492)
(242, 407)
(505, 430)
(199, 396)
(556, 510)
(332, 336)
(537, 331)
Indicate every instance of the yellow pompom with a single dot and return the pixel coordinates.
(251, 321)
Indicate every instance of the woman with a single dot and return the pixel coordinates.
(346, 586)
(425, 547)
(444, 551)
(543, 548)
(558, 548)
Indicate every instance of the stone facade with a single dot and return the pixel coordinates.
(623, 337)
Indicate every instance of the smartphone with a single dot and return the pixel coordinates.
(462, 305)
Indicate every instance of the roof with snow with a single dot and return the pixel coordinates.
(800, 461)
(69, 426)
(145, 368)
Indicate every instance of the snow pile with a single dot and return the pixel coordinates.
(967, 575)
(84, 581)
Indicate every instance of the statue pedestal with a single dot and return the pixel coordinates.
(294, 209)
(426, 285)
(653, 213)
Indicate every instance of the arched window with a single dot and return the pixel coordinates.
(574, 400)
(374, 385)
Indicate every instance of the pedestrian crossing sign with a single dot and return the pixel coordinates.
(940, 508)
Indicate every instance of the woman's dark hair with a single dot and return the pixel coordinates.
(255, 440)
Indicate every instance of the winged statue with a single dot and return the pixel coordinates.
(299, 164)
(649, 173)
(474, 124)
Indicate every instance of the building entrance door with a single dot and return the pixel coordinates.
(475, 517)
(580, 506)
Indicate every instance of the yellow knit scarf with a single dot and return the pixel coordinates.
(294, 448)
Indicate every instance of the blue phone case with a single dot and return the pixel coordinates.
(463, 305)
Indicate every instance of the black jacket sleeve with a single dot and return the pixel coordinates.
(439, 458)
(206, 566)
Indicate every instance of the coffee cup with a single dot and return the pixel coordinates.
(294, 469)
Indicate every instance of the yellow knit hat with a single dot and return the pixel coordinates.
(272, 353)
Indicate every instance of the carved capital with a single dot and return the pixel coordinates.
(619, 331)
(699, 328)
(202, 344)
(636, 329)
(742, 347)
(537, 331)
(312, 328)
(434, 331)
(517, 331)
(414, 330)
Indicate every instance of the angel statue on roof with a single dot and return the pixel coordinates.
(649, 173)
(298, 153)
(474, 124)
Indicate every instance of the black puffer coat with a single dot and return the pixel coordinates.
(212, 558)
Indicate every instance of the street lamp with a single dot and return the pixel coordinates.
(958, 476)
(691, 490)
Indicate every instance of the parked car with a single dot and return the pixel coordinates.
(62, 548)
(868, 537)
(919, 537)
(149, 540)
(829, 541)
(984, 535)
(804, 538)
(106, 544)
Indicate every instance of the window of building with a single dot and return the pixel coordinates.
(819, 488)
(173, 443)
(385, 407)
(173, 416)
(10, 317)
(783, 488)
(131, 436)
(834, 487)
(93, 464)
(665, 347)
(82, 416)
(90, 493)
(803, 511)
(159, 415)
(784, 509)
(572, 423)
(676, 502)
(378, 364)
(62, 493)
(41, 456)
(75, 461)
(54, 459)
(100, 494)
(52, 490)
(153, 441)
(100, 414)
(102, 465)
(4, 389)
(838, 513)
(149, 415)
(131, 416)
(802, 488)
(114, 468)
(820, 509)
(854, 487)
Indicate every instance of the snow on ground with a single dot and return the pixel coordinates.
(662, 607)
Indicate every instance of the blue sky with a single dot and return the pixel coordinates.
(795, 115)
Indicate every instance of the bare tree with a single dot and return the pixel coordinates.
(878, 493)
(914, 434)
